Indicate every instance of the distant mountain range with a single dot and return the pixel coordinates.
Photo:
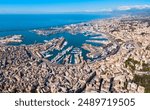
(132, 11)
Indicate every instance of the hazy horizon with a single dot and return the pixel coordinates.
(67, 6)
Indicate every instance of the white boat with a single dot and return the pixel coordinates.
(45, 41)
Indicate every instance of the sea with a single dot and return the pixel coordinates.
(11, 24)
(23, 24)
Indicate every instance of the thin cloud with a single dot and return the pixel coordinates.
(100, 10)
(133, 7)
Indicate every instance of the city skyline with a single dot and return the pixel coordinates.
(49, 6)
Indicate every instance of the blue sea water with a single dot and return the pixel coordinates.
(14, 22)
(23, 24)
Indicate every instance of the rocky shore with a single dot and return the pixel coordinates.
(24, 69)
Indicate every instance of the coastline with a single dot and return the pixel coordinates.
(117, 66)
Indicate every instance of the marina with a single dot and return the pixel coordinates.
(74, 61)
(74, 46)
(68, 48)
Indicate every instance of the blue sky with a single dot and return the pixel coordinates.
(49, 6)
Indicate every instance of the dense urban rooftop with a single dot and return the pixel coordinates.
(124, 60)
